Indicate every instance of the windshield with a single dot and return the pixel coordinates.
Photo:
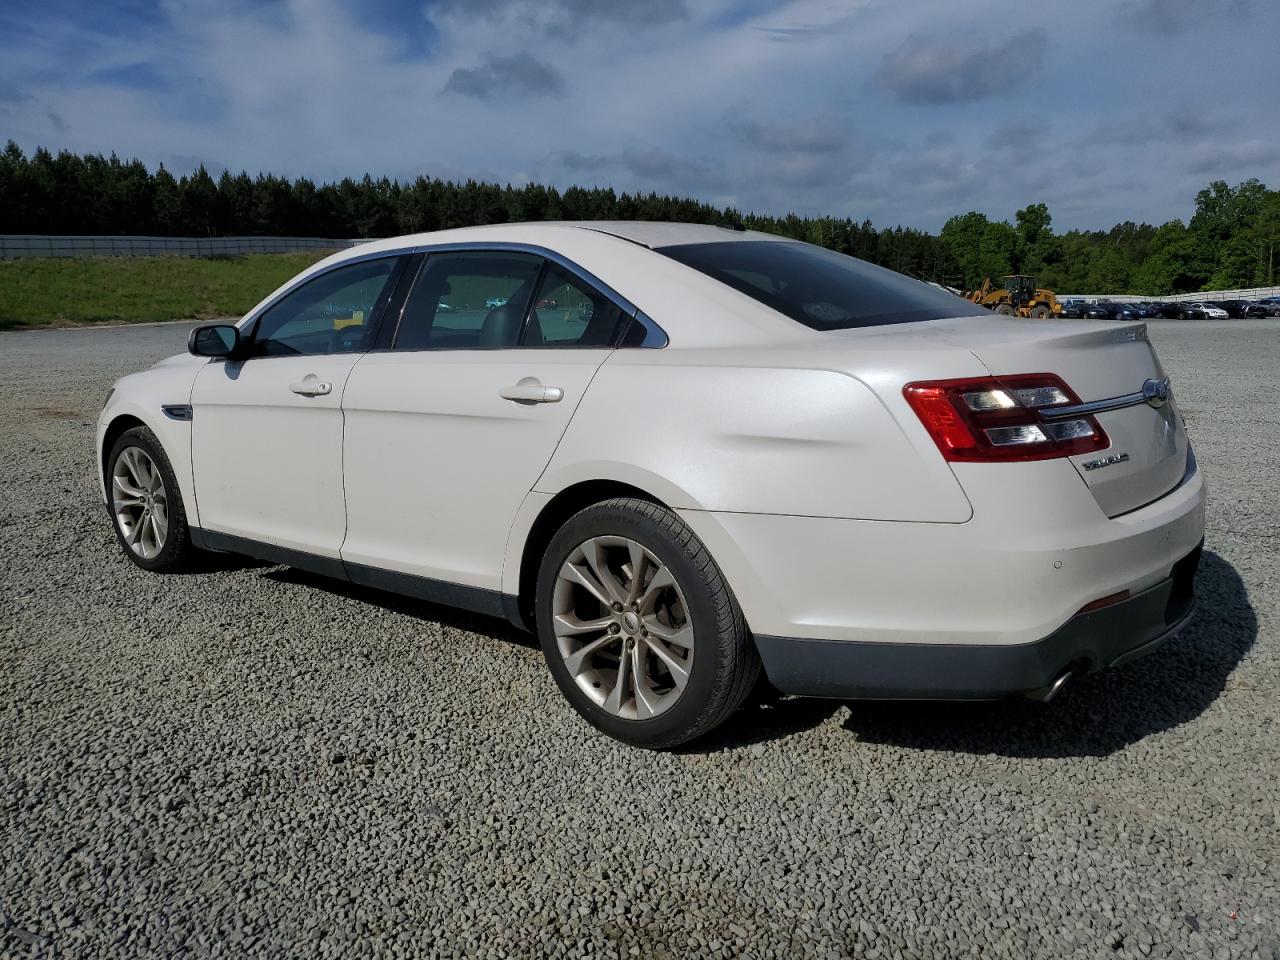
(822, 289)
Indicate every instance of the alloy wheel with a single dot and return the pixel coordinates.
(139, 502)
(622, 627)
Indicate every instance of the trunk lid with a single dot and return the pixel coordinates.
(1147, 456)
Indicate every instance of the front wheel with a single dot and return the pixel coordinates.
(146, 505)
(1005, 309)
(638, 627)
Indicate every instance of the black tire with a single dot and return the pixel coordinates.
(1005, 309)
(1040, 312)
(177, 553)
(725, 663)
(1182, 315)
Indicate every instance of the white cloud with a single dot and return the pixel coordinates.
(697, 98)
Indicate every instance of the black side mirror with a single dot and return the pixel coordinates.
(214, 340)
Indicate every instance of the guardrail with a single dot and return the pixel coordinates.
(1254, 293)
(21, 246)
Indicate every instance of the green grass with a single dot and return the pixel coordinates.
(42, 293)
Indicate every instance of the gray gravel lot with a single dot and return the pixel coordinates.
(250, 759)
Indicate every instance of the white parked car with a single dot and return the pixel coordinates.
(680, 453)
(1197, 310)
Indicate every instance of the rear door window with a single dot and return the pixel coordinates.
(567, 312)
(468, 301)
(819, 288)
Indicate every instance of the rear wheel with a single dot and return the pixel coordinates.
(146, 505)
(638, 627)
(1040, 311)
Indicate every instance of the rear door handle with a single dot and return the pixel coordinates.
(531, 390)
(312, 388)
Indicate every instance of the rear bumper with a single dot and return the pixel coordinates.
(1086, 643)
(1035, 553)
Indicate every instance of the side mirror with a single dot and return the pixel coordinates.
(214, 340)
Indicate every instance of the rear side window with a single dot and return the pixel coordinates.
(822, 289)
(568, 313)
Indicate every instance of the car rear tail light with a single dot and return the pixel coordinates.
(1003, 418)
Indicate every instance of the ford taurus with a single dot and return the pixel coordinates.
(682, 454)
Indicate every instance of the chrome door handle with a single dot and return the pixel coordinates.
(312, 388)
(531, 390)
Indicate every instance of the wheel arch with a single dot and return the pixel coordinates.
(174, 437)
(549, 519)
(115, 429)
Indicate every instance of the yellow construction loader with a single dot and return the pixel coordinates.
(1018, 297)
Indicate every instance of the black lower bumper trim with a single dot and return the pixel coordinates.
(918, 671)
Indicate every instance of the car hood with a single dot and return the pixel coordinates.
(180, 360)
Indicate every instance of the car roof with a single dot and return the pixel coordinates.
(645, 233)
(653, 233)
(618, 255)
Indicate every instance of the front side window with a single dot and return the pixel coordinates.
(569, 313)
(331, 314)
(822, 289)
(468, 301)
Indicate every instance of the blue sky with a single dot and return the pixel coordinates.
(903, 111)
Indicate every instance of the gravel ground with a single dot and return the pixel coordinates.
(250, 759)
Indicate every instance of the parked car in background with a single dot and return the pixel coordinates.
(1200, 310)
(1072, 308)
(1135, 310)
(1238, 309)
(754, 454)
(1168, 309)
(1270, 306)
(1099, 310)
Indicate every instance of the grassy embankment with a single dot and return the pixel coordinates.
(43, 293)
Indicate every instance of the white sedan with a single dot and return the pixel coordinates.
(681, 454)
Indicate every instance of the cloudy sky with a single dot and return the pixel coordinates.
(904, 111)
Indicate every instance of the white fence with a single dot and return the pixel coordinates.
(20, 246)
(1256, 293)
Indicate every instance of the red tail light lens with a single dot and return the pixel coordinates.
(1003, 418)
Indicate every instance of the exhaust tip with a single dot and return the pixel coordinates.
(1045, 694)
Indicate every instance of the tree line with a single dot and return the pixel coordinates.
(1230, 241)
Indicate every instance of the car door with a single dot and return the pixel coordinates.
(447, 432)
(266, 431)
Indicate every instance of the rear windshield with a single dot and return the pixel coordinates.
(818, 287)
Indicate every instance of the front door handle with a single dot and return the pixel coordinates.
(312, 388)
(531, 390)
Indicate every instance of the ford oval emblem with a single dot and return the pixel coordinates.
(1156, 392)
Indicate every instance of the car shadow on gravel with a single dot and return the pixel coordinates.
(1096, 716)
(493, 627)
(1101, 713)
(209, 561)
